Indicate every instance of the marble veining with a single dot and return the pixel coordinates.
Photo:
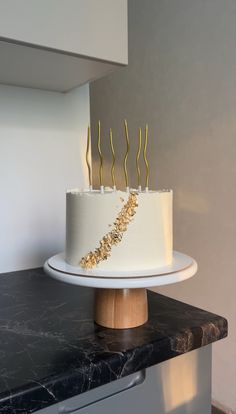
(51, 350)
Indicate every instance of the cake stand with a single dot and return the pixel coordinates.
(121, 297)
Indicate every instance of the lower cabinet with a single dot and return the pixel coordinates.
(181, 385)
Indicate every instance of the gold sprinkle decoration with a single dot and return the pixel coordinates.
(87, 156)
(126, 154)
(113, 160)
(137, 157)
(100, 155)
(114, 237)
(145, 157)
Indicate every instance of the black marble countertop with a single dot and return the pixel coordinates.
(50, 348)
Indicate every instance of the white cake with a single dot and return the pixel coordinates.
(116, 230)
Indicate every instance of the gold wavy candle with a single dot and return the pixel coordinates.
(100, 155)
(126, 154)
(87, 157)
(145, 158)
(137, 159)
(113, 160)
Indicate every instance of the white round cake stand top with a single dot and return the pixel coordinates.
(183, 267)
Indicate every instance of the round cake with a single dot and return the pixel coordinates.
(118, 230)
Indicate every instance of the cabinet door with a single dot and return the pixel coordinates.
(181, 385)
(94, 28)
(53, 409)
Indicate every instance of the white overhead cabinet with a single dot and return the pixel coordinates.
(60, 44)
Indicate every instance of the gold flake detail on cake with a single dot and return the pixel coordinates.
(114, 237)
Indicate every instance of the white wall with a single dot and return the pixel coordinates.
(181, 79)
(42, 137)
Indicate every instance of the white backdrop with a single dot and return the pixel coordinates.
(42, 141)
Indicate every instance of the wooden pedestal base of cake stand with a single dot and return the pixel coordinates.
(121, 308)
(121, 297)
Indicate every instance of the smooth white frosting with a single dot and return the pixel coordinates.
(147, 242)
